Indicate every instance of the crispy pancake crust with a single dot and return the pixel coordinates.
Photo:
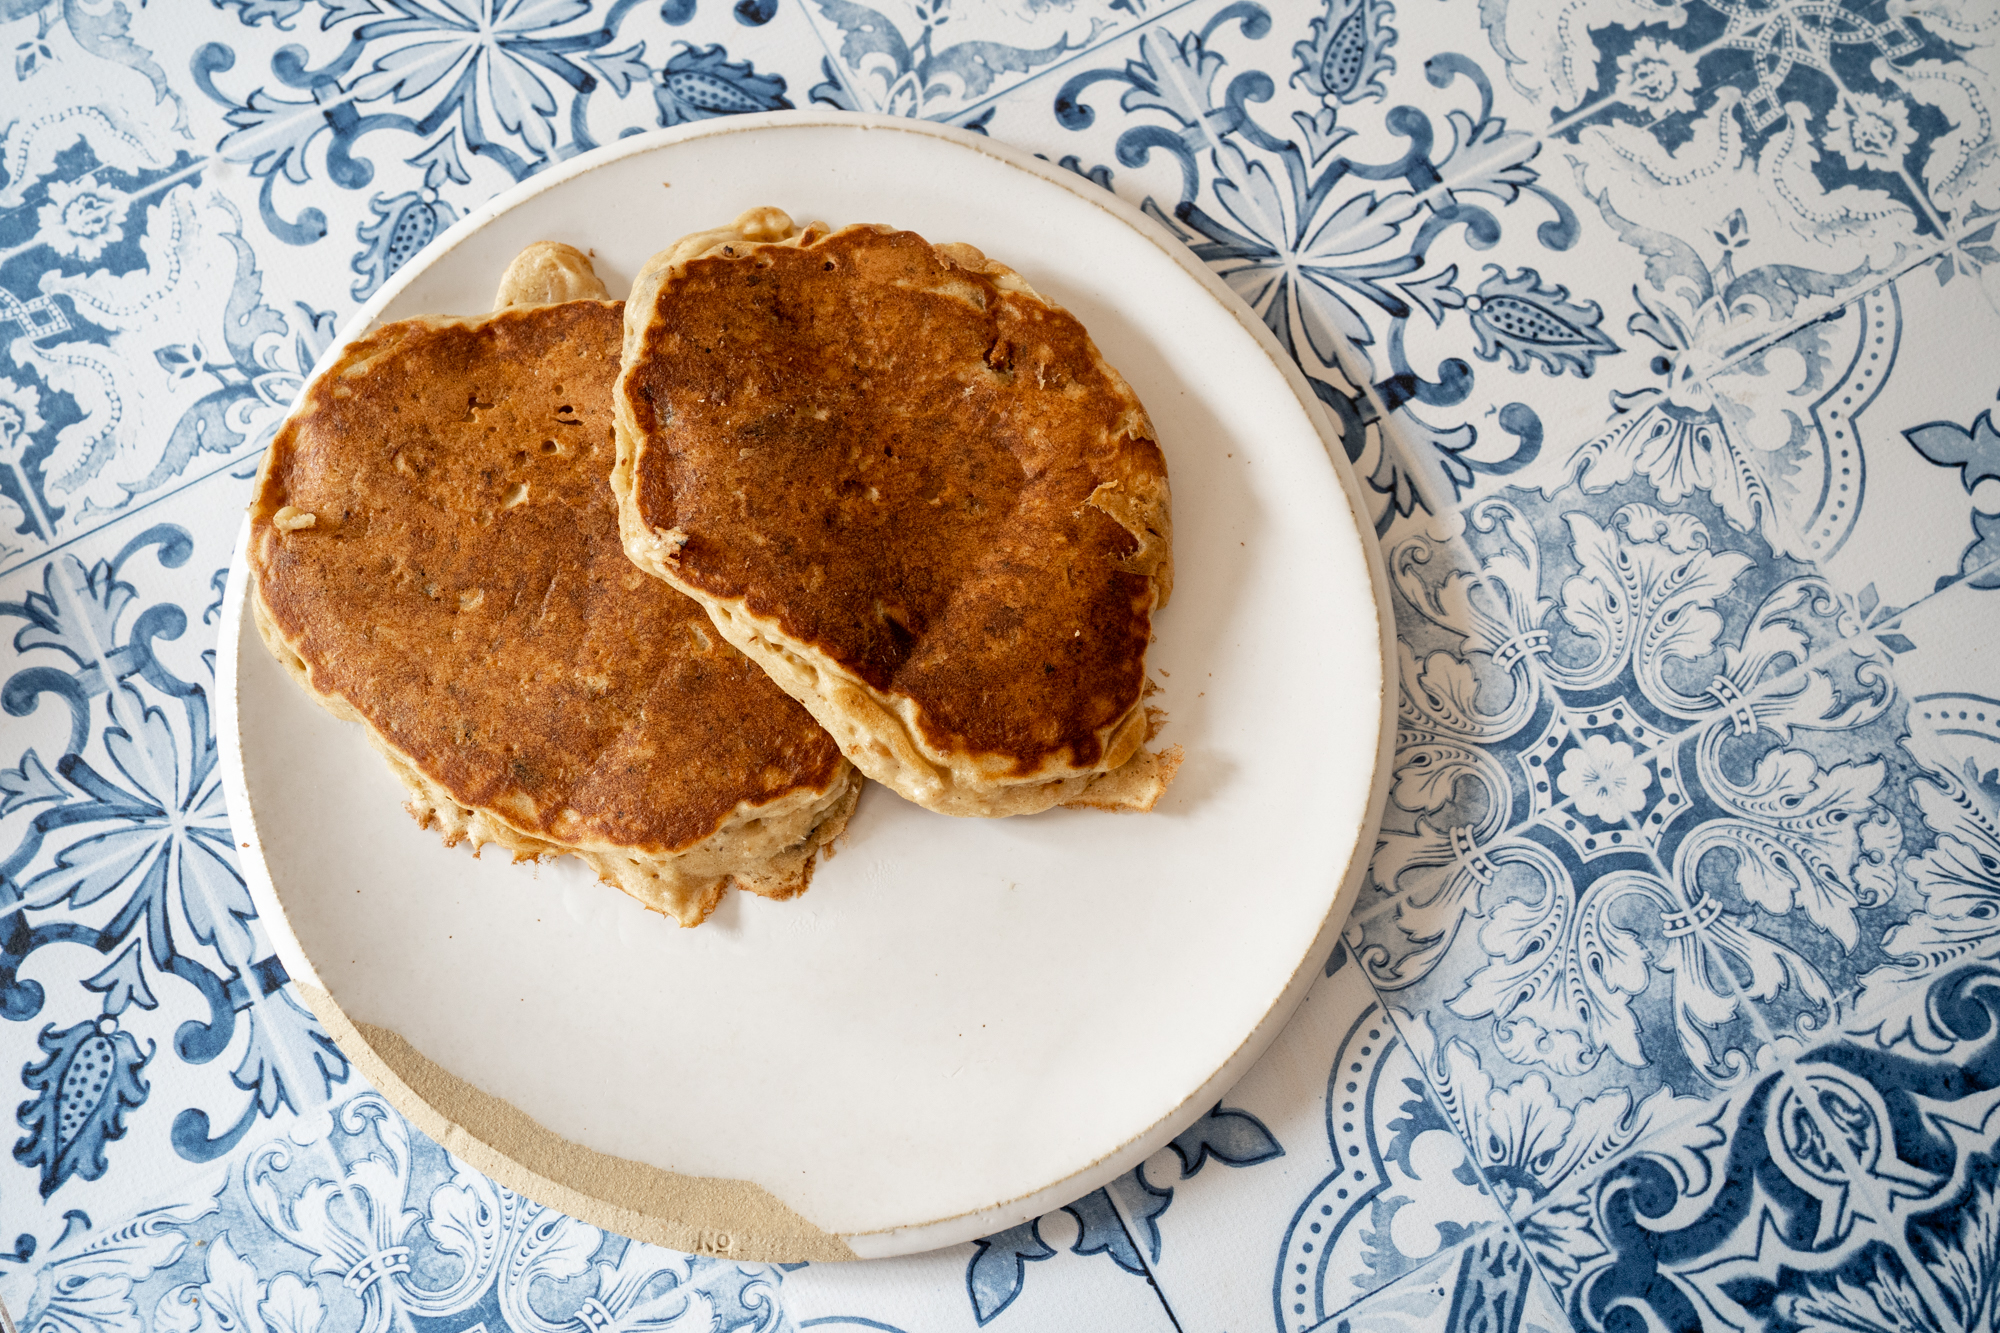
(913, 491)
(436, 553)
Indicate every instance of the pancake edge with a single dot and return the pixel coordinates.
(885, 743)
(767, 849)
(775, 862)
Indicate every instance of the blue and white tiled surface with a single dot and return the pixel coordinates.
(1663, 334)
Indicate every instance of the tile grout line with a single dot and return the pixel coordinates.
(1767, 689)
(1548, 138)
(280, 1052)
(835, 67)
(234, 461)
(1904, 268)
(1716, 963)
(1508, 1221)
(1448, 1257)
(971, 109)
(1415, 455)
(1864, 1186)
(843, 81)
(1131, 1238)
(1871, 634)
(1926, 206)
(1672, 1130)
(1451, 499)
(1797, 538)
(272, 134)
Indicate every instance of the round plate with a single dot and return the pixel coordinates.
(965, 1022)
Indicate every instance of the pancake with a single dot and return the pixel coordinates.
(913, 492)
(436, 554)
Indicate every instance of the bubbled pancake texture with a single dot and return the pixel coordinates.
(889, 457)
(464, 589)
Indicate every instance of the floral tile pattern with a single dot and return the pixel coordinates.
(1484, 1285)
(1663, 337)
(1803, 409)
(1844, 1190)
(291, 1237)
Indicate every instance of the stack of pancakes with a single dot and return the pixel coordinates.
(648, 583)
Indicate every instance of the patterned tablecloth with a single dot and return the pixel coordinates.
(1662, 335)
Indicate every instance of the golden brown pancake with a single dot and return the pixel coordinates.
(911, 490)
(436, 553)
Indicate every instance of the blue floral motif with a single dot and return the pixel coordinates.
(1527, 1143)
(1959, 877)
(481, 64)
(509, 83)
(1818, 1155)
(403, 225)
(1347, 55)
(1590, 736)
(1678, 434)
(1975, 452)
(1807, 110)
(998, 1268)
(1673, 987)
(1528, 321)
(374, 1227)
(1772, 233)
(88, 1280)
(1379, 1122)
(1322, 262)
(470, 1246)
(103, 31)
(126, 281)
(914, 75)
(87, 1084)
(698, 83)
(130, 820)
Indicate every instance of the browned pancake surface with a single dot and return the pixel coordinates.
(463, 588)
(899, 478)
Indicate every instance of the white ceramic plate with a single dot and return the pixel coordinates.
(965, 1022)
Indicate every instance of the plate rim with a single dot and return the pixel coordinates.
(901, 1239)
